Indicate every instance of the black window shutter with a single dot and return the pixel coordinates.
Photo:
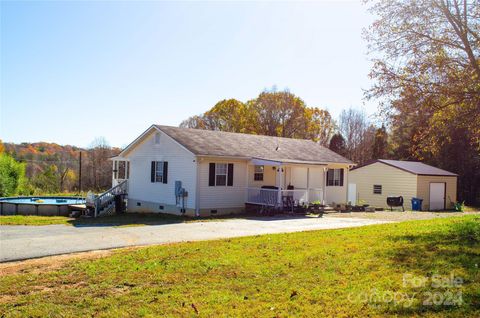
(341, 177)
(211, 175)
(152, 172)
(329, 177)
(165, 172)
(230, 175)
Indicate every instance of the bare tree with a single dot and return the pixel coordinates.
(359, 135)
(98, 165)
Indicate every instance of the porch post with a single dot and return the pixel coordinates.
(324, 190)
(279, 193)
(246, 182)
(308, 184)
(113, 172)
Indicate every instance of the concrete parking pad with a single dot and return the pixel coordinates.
(25, 242)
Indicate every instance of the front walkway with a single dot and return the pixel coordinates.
(24, 242)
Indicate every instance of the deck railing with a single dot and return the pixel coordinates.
(105, 202)
(267, 197)
(275, 197)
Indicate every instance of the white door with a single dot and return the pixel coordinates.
(352, 193)
(437, 196)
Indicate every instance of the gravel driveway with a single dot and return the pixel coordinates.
(24, 242)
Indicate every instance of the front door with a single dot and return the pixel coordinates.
(437, 196)
(352, 193)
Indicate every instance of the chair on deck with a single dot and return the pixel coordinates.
(288, 201)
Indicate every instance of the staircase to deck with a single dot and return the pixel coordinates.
(105, 203)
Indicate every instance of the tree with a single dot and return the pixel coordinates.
(197, 122)
(430, 50)
(98, 165)
(279, 114)
(272, 113)
(380, 143)
(12, 176)
(321, 125)
(228, 115)
(358, 134)
(47, 181)
(337, 144)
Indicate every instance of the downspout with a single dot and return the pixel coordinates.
(197, 188)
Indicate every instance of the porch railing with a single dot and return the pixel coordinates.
(275, 197)
(268, 197)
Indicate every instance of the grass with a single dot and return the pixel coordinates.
(128, 219)
(309, 274)
(33, 220)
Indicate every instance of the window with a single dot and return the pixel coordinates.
(335, 177)
(157, 138)
(377, 189)
(221, 174)
(258, 175)
(159, 171)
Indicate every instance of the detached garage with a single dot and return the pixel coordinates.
(377, 180)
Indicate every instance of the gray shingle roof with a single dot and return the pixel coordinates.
(417, 167)
(220, 143)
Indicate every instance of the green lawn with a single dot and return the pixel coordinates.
(128, 219)
(342, 273)
(33, 220)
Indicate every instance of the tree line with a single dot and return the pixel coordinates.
(283, 114)
(47, 168)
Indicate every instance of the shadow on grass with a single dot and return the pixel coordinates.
(138, 219)
(454, 250)
(130, 219)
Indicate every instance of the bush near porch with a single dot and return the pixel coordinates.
(313, 274)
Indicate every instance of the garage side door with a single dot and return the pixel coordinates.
(437, 196)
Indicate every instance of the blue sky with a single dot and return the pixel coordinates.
(73, 71)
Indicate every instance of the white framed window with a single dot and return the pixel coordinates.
(221, 170)
(157, 138)
(258, 173)
(159, 171)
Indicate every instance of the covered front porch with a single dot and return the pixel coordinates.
(285, 184)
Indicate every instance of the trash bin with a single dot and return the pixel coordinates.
(417, 204)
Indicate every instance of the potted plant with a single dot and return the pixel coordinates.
(459, 206)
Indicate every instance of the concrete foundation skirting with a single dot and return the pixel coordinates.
(141, 206)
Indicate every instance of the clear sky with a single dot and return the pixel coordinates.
(73, 71)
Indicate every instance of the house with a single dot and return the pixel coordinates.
(203, 172)
(374, 181)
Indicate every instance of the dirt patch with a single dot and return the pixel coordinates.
(49, 263)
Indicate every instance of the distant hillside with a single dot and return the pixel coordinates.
(54, 168)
